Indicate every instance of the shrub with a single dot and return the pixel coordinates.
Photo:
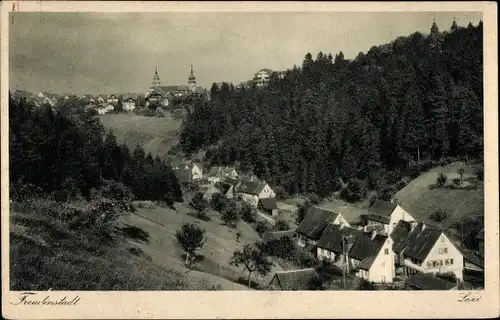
(261, 227)
(280, 192)
(120, 194)
(456, 182)
(439, 216)
(304, 259)
(281, 225)
(283, 248)
(248, 213)
(386, 193)
(354, 191)
(366, 285)
(314, 198)
(302, 211)
(441, 179)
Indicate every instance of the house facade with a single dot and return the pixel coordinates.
(217, 174)
(262, 77)
(129, 104)
(315, 222)
(377, 266)
(252, 191)
(419, 247)
(387, 215)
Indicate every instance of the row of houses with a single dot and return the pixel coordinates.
(226, 181)
(390, 243)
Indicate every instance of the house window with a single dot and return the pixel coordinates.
(440, 263)
(451, 262)
(442, 238)
(445, 250)
(429, 264)
(383, 279)
(386, 251)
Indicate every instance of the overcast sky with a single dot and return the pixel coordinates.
(117, 52)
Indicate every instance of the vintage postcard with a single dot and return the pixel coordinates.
(249, 160)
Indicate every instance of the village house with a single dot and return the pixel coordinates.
(217, 174)
(268, 206)
(262, 77)
(335, 242)
(210, 190)
(252, 191)
(316, 220)
(292, 280)
(372, 258)
(195, 169)
(112, 99)
(423, 281)
(420, 247)
(386, 214)
(48, 98)
(473, 261)
(128, 104)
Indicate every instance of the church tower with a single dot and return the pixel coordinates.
(192, 80)
(156, 79)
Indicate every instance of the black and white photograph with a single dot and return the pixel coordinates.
(246, 151)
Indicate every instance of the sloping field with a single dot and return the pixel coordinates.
(160, 224)
(156, 135)
(421, 201)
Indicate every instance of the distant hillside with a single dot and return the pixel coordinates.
(421, 201)
(156, 135)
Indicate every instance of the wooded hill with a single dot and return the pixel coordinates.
(416, 98)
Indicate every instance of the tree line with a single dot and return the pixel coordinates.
(69, 156)
(418, 98)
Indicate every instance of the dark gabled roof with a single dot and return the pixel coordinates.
(269, 203)
(419, 241)
(266, 70)
(400, 233)
(382, 208)
(378, 218)
(224, 187)
(251, 187)
(295, 279)
(231, 181)
(315, 222)
(276, 235)
(365, 247)
(183, 174)
(473, 258)
(331, 239)
(424, 281)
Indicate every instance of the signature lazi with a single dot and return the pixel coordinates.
(469, 297)
(33, 298)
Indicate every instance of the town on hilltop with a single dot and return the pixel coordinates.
(336, 174)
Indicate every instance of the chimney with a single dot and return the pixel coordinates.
(374, 234)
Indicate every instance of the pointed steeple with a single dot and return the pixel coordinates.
(156, 78)
(454, 25)
(191, 75)
(192, 80)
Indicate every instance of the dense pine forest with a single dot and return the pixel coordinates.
(416, 99)
(67, 157)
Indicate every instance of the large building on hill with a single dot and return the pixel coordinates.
(164, 94)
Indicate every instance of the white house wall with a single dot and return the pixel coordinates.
(398, 214)
(453, 253)
(383, 268)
